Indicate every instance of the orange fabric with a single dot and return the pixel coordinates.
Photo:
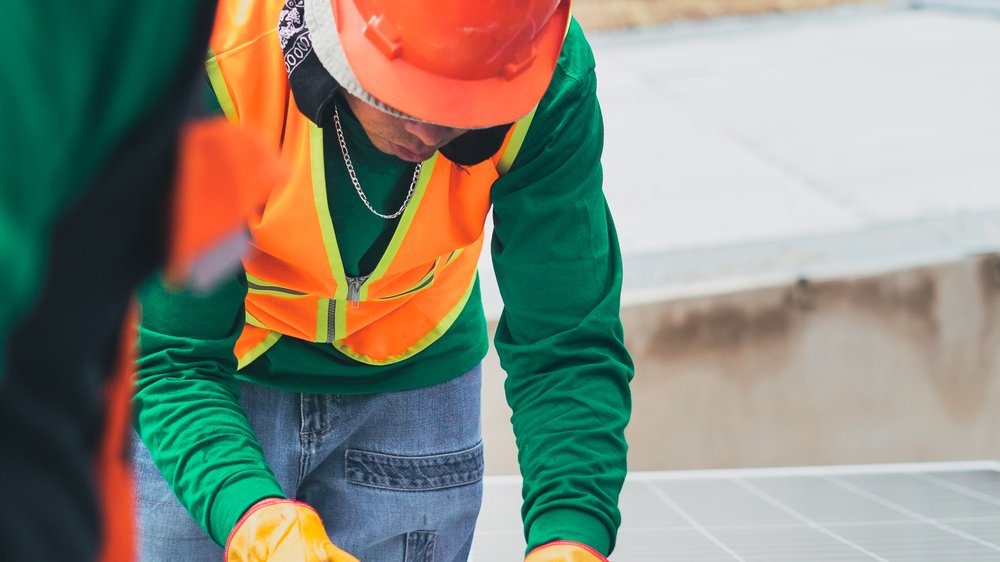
(301, 288)
(251, 337)
(223, 175)
(438, 65)
(114, 474)
(564, 551)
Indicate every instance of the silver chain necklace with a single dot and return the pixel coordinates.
(354, 177)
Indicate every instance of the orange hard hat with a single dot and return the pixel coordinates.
(459, 63)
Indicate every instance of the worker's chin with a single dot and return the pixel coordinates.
(406, 154)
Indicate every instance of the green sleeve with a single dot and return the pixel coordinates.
(558, 266)
(187, 403)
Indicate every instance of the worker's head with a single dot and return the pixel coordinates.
(408, 139)
(420, 73)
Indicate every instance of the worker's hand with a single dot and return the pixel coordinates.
(280, 530)
(564, 551)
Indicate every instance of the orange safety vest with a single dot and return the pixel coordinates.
(296, 279)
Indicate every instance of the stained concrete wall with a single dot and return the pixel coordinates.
(898, 367)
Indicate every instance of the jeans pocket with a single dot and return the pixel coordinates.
(415, 473)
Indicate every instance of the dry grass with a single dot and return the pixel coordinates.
(613, 14)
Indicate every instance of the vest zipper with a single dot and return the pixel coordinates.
(331, 321)
(353, 296)
(354, 290)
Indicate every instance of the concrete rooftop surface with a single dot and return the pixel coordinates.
(742, 152)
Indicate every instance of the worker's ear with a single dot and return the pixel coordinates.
(476, 145)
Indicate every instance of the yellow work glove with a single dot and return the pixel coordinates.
(279, 530)
(564, 551)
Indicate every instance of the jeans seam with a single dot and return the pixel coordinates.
(321, 432)
(433, 488)
(305, 442)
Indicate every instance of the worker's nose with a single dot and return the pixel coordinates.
(433, 136)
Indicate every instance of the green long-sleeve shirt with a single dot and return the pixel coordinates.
(76, 80)
(560, 339)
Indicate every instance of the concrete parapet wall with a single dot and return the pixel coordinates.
(897, 367)
(614, 14)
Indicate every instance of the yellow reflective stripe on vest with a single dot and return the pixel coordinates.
(403, 227)
(516, 140)
(218, 83)
(316, 161)
(425, 341)
(257, 350)
(331, 320)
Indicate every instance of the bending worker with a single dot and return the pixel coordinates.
(325, 403)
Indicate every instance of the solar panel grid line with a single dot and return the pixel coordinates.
(930, 478)
(714, 503)
(903, 522)
(692, 521)
(779, 472)
(905, 537)
(989, 531)
(659, 546)
(839, 481)
(781, 526)
(809, 522)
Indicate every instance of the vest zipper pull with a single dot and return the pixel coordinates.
(354, 290)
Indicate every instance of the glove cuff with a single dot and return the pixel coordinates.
(565, 551)
(257, 507)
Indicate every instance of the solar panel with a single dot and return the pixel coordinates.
(925, 512)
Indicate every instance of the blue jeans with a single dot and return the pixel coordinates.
(395, 476)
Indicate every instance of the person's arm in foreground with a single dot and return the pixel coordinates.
(560, 338)
(190, 418)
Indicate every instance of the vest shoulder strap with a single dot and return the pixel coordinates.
(513, 146)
